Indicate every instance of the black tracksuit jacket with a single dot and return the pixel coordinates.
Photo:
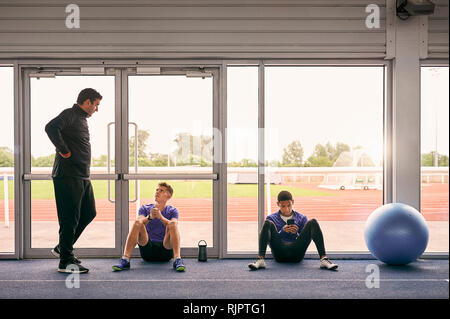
(69, 131)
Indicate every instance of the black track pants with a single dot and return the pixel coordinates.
(290, 251)
(75, 203)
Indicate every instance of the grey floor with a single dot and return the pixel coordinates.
(227, 278)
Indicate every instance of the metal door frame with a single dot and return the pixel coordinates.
(387, 172)
(27, 177)
(212, 251)
(121, 71)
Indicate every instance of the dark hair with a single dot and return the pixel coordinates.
(88, 94)
(284, 195)
(167, 186)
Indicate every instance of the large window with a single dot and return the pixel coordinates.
(7, 160)
(324, 144)
(323, 136)
(435, 155)
(173, 118)
(242, 158)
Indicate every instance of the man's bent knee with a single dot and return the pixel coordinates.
(171, 226)
(139, 222)
(313, 221)
(269, 223)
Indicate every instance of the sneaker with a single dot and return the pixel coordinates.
(71, 267)
(259, 263)
(55, 252)
(325, 263)
(178, 265)
(122, 265)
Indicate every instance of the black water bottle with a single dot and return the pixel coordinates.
(202, 251)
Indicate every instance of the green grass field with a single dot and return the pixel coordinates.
(182, 189)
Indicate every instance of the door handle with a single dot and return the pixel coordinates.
(120, 177)
(109, 160)
(136, 183)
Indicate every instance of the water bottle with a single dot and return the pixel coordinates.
(202, 251)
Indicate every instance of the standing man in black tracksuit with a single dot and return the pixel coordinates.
(75, 202)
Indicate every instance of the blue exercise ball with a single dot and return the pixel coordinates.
(396, 234)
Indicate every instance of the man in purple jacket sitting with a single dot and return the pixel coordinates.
(289, 234)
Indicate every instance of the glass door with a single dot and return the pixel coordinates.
(153, 125)
(172, 113)
(47, 92)
(8, 220)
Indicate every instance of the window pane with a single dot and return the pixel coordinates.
(173, 118)
(324, 144)
(193, 200)
(435, 155)
(44, 218)
(7, 160)
(242, 159)
(63, 91)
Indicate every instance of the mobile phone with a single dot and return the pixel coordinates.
(290, 221)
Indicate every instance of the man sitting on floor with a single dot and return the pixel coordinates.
(289, 234)
(156, 232)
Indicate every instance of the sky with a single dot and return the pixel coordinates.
(312, 105)
(435, 110)
(309, 104)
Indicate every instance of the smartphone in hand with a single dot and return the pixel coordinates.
(291, 221)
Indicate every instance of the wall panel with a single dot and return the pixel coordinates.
(174, 28)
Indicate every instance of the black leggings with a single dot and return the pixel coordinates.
(290, 251)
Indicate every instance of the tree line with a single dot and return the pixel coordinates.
(197, 150)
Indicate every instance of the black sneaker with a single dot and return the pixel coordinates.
(55, 252)
(70, 267)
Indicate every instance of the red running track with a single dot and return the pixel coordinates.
(347, 205)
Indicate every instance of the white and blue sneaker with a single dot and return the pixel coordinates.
(122, 265)
(258, 264)
(325, 263)
(178, 265)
